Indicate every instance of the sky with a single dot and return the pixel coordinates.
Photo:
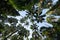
(23, 13)
(39, 24)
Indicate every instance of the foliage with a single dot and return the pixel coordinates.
(23, 4)
(34, 15)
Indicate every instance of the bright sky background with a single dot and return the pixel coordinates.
(39, 24)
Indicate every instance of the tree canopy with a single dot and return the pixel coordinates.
(29, 27)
